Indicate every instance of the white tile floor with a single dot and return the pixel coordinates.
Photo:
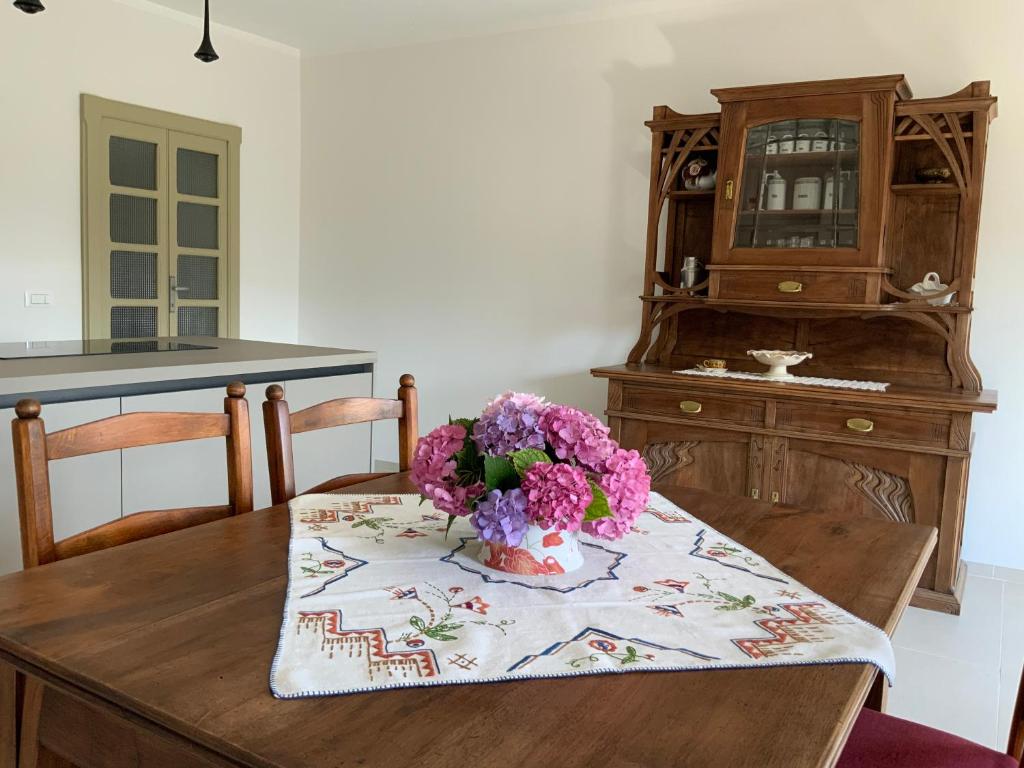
(960, 673)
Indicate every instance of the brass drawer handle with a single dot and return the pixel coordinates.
(860, 425)
(728, 189)
(690, 406)
(790, 286)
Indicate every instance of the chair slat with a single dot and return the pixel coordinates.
(280, 424)
(343, 481)
(343, 411)
(132, 430)
(141, 525)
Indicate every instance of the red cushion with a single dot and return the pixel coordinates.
(883, 741)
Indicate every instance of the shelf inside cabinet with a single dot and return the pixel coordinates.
(943, 188)
(801, 212)
(692, 193)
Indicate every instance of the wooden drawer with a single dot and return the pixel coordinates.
(795, 286)
(851, 421)
(692, 405)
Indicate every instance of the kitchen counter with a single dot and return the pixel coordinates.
(75, 378)
(79, 388)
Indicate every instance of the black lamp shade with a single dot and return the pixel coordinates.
(206, 53)
(29, 6)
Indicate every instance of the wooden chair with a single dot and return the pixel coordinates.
(34, 449)
(280, 425)
(883, 741)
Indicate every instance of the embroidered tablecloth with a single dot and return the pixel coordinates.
(378, 598)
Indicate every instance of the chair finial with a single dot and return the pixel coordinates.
(407, 380)
(275, 392)
(236, 389)
(28, 409)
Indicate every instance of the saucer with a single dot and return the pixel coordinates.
(704, 369)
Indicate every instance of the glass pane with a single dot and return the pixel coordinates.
(198, 276)
(133, 219)
(197, 321)
(799, 185)
(132, 275)
(131, 322)
(197, 173)
(132, 163)
(197, 225)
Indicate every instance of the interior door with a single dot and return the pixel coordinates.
(198, 268)
(128, 251)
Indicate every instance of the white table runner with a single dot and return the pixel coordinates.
(378, 598)
(812, 381)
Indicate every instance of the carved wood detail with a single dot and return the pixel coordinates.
(888, 493)
(665, 458)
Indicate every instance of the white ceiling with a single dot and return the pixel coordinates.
(331, 26)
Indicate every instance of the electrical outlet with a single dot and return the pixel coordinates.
(38, 299)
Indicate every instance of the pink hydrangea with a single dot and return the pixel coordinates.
(558, 495)
(575, 434)
(433, 470)
(627, 485)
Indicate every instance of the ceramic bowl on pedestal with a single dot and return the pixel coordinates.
(777, 360)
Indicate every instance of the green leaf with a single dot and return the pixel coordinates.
(418, 623)
(597, 508)
(526, 458)
(447, 528)
(499, 473)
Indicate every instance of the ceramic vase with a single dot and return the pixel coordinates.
(541, 553)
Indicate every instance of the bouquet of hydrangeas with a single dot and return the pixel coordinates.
(526, 461)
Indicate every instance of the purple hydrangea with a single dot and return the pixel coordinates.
(575, 434)
(510, 422)
(501, 517)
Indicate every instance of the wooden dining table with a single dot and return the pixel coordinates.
(158, 653)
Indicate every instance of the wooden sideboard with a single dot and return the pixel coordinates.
(818, 225)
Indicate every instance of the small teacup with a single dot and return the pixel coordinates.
(714, 363)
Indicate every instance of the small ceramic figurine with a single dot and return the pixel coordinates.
(699, 174)
(932, 284)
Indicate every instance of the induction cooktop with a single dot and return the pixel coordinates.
(32, 349)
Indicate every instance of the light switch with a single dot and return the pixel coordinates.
(38, 298)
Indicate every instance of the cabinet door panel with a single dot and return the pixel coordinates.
(859, 480)
(718, 460)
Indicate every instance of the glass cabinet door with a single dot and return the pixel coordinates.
(799, 185)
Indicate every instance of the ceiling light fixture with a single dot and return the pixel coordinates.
(206, 53)
(29, 6)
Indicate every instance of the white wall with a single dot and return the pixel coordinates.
(474, 210)
(137, 52)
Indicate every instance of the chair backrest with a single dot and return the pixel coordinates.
(34, 449)
(280, 424)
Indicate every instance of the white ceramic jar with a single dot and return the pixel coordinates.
(807, 193)
(774, 192)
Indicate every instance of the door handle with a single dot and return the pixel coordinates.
(790, 286)
(175, 292)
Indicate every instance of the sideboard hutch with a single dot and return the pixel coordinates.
(830, 201)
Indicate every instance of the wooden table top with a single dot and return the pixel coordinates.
(178, 633)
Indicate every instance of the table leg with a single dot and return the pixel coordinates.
(32, 705)
(878, 696)
(8, 716)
